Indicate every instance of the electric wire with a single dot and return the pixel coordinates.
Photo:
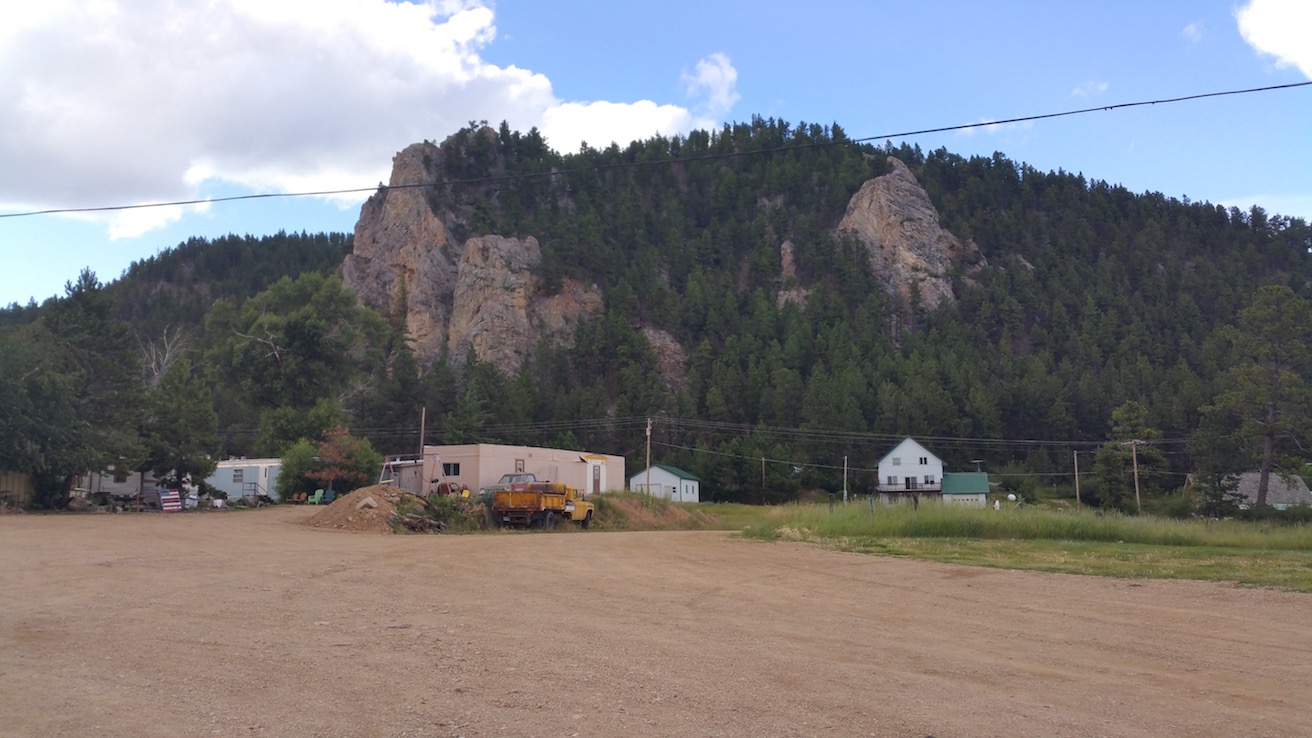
(657, 162)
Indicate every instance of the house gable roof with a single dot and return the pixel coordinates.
(916, 446)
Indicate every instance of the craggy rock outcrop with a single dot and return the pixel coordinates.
(893, 216)
(791, 292)
(671, 359)
(482, 295)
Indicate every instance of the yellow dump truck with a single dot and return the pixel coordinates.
(520, 501)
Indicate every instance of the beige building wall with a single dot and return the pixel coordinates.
(481, 464)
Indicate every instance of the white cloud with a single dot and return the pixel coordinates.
(988, 126)
(135, 222)
(1281, 28)
(717, 80)
(125, 101)
(567, 125)
(1089, 89)
(1292, 205)
(1193, 32)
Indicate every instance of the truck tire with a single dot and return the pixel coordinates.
(586, 521)
(549, 521)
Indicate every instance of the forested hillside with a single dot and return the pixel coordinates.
(1097, 316)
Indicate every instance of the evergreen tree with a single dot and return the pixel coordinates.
(181, 429)
(1267, 389)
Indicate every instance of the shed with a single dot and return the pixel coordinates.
(17, 489)
(967, 488)
(669, 482)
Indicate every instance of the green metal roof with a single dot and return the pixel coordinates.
(676, 471)
(965, 483)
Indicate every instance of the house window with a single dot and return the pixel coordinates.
(924, 461)
(238, 476)
(911, 483)
(451, 470)
(929, 479)
(892, 479)
(519, 466)
(897, 461)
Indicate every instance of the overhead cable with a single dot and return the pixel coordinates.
(634, 164)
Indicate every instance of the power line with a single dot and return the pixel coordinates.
(628, 165)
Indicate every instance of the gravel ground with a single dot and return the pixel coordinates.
(247, 623)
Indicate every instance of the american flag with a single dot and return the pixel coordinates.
(170, 500)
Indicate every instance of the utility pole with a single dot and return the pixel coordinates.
(423, 416)
(844, 480)
(1134, 454)
(648, 485)
(1076, 455)
(762, 480)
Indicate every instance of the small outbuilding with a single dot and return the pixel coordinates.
(966, 488)
(668, 482)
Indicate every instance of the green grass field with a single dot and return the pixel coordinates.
(1070, 541)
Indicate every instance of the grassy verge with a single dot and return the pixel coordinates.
(1078, 542)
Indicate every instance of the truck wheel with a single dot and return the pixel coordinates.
(549, 521)
(586, 521)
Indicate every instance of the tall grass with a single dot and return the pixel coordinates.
(807, 521)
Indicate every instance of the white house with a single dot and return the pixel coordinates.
(248, 478)
(669, 482)
(908, 469)
(477, 465)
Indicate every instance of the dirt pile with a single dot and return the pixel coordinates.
(368, 510)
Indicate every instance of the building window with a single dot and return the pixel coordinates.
(519, 466)
(897, 461)
(892, 479)
(238, 476)
(929, 479)
(451, 470)
(924, 461)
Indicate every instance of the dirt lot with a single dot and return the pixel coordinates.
(248, 623)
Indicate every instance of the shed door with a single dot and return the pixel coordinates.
(596, 479)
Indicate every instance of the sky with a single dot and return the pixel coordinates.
(130, 102)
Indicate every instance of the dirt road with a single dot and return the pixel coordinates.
(249, 624)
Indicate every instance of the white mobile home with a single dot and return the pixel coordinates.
(247, 478)
(478, 465)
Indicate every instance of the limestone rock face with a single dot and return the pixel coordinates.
(899, 226)
(482, 296)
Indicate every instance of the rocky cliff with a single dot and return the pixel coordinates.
(481, 296)
(899, 226)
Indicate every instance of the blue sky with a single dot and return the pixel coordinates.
(114, 102)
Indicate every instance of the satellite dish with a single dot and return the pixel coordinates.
(1011, 498)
